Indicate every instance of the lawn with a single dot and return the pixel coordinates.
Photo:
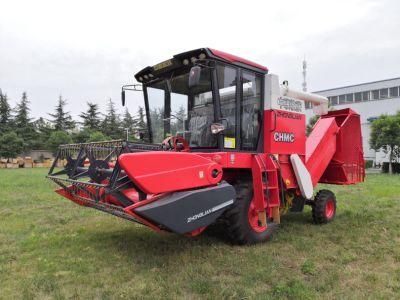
(52, 248)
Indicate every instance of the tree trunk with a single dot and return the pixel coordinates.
(390, 161)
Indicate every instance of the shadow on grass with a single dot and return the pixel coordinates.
(142, 246)
(139, 243)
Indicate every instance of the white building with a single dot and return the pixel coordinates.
(370, 100)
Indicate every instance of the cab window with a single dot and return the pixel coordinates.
(250, 110)
(227, 78)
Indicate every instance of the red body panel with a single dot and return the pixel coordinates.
(347, 164)
(159, 172)
(286, 169)
(320, 147)
(334, 149)
(236, 160)
(236, 59)
(284, 132)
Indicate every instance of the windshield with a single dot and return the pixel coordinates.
(176, 109)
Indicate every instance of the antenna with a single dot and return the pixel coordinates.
(304, 74)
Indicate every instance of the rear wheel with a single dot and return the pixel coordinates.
(324, 207)
(242, 221)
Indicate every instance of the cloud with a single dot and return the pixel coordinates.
(85, 50)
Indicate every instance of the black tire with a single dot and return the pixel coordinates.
(236, 218)
(324, 207)
(297, 204)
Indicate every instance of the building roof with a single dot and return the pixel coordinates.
(359, 84)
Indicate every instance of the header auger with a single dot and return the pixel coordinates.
(225, 144)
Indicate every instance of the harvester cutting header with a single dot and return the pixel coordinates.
(225, 144)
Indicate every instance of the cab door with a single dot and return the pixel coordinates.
(251, 111)
(228, 97)
(240, 108)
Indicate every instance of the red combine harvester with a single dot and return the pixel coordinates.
(225, 144)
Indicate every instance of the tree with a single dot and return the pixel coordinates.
(23, 123)
(111, 123)
(5, 113)
(43, 130)
(128, 122)
(140, 123)
(62, 120)
(178, 120)
(97, 136)
(385, 136)
(58, 138)
(311, 124)
(22, 119)
(82, 136)
(157, 124)
(314, 119)
(91, 119)
(10, 145)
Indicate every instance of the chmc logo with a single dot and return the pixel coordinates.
(284, 137)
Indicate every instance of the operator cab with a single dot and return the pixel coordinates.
(210, 98)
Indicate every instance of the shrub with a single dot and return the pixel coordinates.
(396, 167)
(97, 136)
(11, 145)
(369, 164)
(58, 138)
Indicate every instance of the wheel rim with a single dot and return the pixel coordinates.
(253, 219)
(329, 209)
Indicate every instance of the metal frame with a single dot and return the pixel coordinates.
(92, 193)
(217, 106)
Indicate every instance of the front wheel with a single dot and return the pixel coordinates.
(242, 218)
(324, 207)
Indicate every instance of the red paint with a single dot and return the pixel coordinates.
(237, 59)
(69, 196)
(257, 170)
(320, 147)
(253, 218)
(280, 124)
(131, 211)
(329, 209)
(169, 171)
(235, 160)
(288, 176)
(131, 194)
(196, 232)
(346, 163)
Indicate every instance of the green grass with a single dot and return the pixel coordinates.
(51, 248)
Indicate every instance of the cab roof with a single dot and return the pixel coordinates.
(186, 58)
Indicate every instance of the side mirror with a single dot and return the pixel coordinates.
(217, 128)
(194, 76)
(123, 97)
